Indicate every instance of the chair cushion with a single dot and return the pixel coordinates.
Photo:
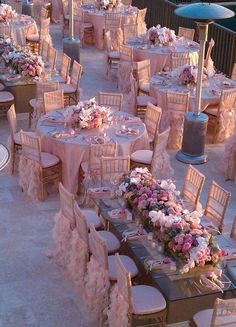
(112, 241)
(57, 78)
(211, 110)
(6, 96)
(32, 37)
(146, 300)
(128, 263)
(114, 54)
(17, 136)
(67, 88)
(143, 100)
(87, 25)
(48, 159)
(203, 318)
(92, 218)
(142, 156)
(2, 87)
(145, 87)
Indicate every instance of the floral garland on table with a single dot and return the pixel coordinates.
(183, 237)
(6, 13)
(87, 114)
(24, 62)
(161, 35)
(187, 74)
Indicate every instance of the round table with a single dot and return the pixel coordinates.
(97, 19)
(73, 149)
(211, 91)
(160, 55)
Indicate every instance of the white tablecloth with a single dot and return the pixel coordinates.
(72, 151)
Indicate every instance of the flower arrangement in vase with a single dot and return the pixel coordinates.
(87, 114)
(161, 36)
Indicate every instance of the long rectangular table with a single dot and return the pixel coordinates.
(182, 295)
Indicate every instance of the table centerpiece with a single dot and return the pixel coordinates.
(187, 74)
(6, 13)
(161, 36)
(106, 4)
(158, 205)
(86, 115)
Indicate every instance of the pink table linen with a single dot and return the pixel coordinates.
(160, 56)
(211, 91)
(73, 150)
(97, 19)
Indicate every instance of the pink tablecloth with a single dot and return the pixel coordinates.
(72, 151)
(160, 56)
(97, 18)
(210, 94)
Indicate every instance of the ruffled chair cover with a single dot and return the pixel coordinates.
(132, 98)
(142, 27)
(229, 158)
(176, 122)
(96, 291)
(226, 125)
(38, 111)
(61, 235)
(29, 177)
(118, 310)
(113, 40)
(161, 166)
(77, 266)
(124, 70)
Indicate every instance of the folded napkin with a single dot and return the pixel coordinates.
(151, 264)
(120, 213)
(100, 192)
(133, 234)
(209, 283)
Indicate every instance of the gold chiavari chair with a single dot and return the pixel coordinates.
(48, 165)
(35, 40)
(113, 167)
(52, 57)
(177, 105)
(111, 100)
(53, 100)
(86, 29)
(63, 71)
(71, 91)
(6, 100)
(187, 33)
(192, 188)
(179, 59)
(36, 104)
(222, 314)
(142, 303)
(139, 102)
(216, 205)
(112, 21)
(84, 220)
(143, 76)
(112, 52)
(129, 30)
(152, 121)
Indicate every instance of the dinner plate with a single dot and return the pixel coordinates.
(13, 78)
(127, 132)
(97, 139)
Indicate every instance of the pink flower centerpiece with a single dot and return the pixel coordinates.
(187, 74)
(106, 4)
(161, 36)
(6, 13)
(87, 114)
(160, 209)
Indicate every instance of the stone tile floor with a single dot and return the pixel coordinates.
(33, 291)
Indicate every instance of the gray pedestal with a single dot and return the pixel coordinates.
(27, 9)
(72, 48)
(194, 137)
